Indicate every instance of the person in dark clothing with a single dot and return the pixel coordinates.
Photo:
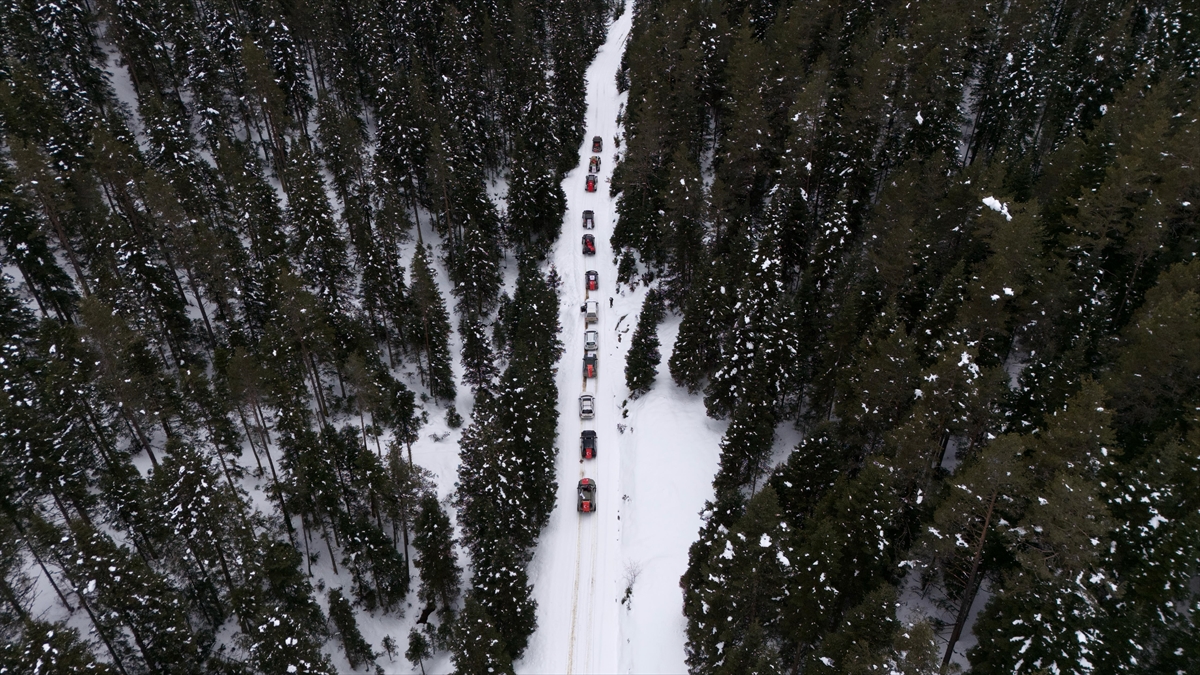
(610, 302)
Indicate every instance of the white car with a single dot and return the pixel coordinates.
(587, 406)
(591, 340)
(591, 311)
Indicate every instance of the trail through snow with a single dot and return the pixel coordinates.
(652, 480)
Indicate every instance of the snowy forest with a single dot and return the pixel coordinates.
(932, 265)
(203, 205)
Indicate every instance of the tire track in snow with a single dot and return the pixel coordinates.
(574, 602)
(591, 604)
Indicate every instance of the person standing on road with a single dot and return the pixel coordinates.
(610, 302)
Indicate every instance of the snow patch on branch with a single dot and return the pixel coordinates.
(997, 206)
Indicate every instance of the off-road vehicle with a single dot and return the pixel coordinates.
(587, 495)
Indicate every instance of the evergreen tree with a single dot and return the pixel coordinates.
(433, 539)
(705, 314)
(418, 649)
(342, 614)
(477, 646)
(318, 248)
(48, 647)
(431, 329)
(641, 363)
(478, 359)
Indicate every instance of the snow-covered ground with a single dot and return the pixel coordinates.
(653, 478)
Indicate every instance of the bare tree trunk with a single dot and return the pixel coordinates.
(971, 588)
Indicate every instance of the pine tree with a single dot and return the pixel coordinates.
(761, 349)
(683, 225)
(27, 246)
(318, 248)
(39, 647)
(418, 649)
(433, 539)
(342, 614)
(477, 646)
(705, 315)
(478, 359)
(740, 595)
(641, 363)
(536, 202)
(501, 588)
(431, 332)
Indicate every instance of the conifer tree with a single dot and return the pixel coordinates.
(342, 614)
(761, 347)
(477, 646)
(418, 649)
(536, 202)
(641, 363)
(683, 225)
(433, 539)
(478, 359)
(39, 646)
(705, 315)
(431, 330)
(744, 571)
(317, 245)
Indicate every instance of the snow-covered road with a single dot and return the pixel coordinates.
(652, 478)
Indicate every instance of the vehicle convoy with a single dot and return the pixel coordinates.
(593, 280)
(590, 185)
(589, 220)
(589, 244)
(591, 340)
(587, 495)
(587, 406)
(591, 311)
(587, 444)
(597, 144)
(594, 164)
(590, 363)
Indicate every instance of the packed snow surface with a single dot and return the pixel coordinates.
(652, 477)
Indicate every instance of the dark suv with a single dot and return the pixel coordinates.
(587, 444)
(587, 495)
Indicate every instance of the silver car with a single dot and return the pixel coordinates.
(587, 406)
